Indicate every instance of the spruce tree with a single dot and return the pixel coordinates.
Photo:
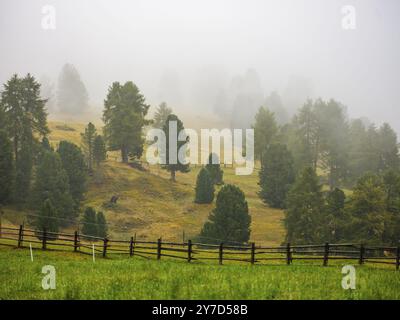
(101, 225)
(99, 150)
(74, 164)
(204, 187)
(334, 217)
(230, 221)
(214, 169)
(276, 175)
(303, 215)
(161, 115)
(89, 222)
(88, 143)
(23, 173)
(6, 169)
(265, 131)
(47, 218)
(170, 166)
(52, 183)
(124, 118)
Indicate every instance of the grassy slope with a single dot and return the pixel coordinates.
(152, 206)
(77, 275)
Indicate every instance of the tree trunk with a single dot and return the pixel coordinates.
(124, 154)
(173, 178)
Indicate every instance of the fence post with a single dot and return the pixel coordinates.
(189, 251)
(362, 252)
(221, 253)
(326, 254)
(44, 238)
(253, 253)
(105, 247)
(20, 236)
(131, 247)
(76, 241)
(159, 249)
(288, 254)
(398, 258)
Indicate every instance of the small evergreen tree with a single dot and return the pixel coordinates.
(23, 174)
(47, 217)
(230, 221)
(88, 143)
(335, 218)
(276, 175)
(6, 168)
(101, 225)
(89, 222)
(214, 169)
(74, 164)
(161, 115)
(170, 166)
(204, 187)
(305, 204)
(265, 131)
(99, 150)
(46, 144)
(52, 183)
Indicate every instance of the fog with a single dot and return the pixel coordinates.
(199, 56)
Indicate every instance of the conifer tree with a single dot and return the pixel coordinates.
(101, 225)
(276, 175)
(161, 115)
(88, 143)
(230, 221)
(204, 187)
(47, 217)
(99, 150)
(89, 222)
(214, 169)
(6, 169)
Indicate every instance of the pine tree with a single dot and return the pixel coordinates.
(161, 115)
(101, 225)
(88, 143)
(276, 175)
(99, 150)
(72, 96)
(52, 183)
(73, 163)
(124, 118)
(303, 215)
(335, 219)
(6, 169)
(47, 217)
(204, 187)
(23, 173)
(170, 166)
(214, 169)
(265, 131)
(89, 222)
(230, 221)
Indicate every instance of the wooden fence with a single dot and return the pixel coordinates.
(197, 252)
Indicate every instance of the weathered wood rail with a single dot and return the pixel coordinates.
(197, 252)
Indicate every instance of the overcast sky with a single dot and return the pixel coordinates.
(190, 44)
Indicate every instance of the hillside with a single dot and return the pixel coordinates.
(151, 206)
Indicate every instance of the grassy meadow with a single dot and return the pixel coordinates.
(137, 278)
(150, 205)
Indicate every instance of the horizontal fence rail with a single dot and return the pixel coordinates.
(196, 251)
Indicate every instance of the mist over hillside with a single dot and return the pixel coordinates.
(213, 58)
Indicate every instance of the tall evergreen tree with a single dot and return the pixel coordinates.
(334, 218)
(265, 130)
(47, 218)
(305, 204)
(73, 162)
(6, 169)
(72, 96)
(204, 187)
(230, 221)
(276, 175)
(89, 222)
(99, 150)
(214, 169)
(124, 118)
(170, 165)
(101, 225)
(161, 115)
(52, 183)
(88, 138)
(23, 173)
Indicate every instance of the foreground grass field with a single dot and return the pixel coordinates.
(79, 278)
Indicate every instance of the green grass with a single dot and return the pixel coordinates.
(126, 278)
